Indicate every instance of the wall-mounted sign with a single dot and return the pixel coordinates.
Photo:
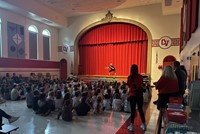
(175, 42)
(165, 42)
(66, 48)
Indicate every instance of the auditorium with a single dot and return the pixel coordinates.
(99, 66)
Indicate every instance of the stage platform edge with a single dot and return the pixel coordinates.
(89, 78)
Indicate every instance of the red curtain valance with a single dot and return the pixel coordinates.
(113, 33)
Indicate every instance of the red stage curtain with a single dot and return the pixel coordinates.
(189, 20)
(118, 43)
(112, 33)
(188, 26)
(195, 10)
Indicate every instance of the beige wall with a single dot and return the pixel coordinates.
(149, 16)
(161, 54)
(21, 20)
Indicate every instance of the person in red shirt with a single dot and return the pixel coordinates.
(167, 87)
(135, 81)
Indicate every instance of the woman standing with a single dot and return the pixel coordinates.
(167, 87)
(135, 82)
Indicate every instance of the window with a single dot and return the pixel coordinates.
(46, 32)
(46, 44)
(0, 40)
(33, 42)
(16, 43)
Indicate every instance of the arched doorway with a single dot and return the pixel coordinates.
(168, 61)
(63, 69)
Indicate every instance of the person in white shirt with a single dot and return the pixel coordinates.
(98, 106)
(117, 103)
(124, 96)
(76, 100)
(59, 100)
(107, 102)
(15, 93)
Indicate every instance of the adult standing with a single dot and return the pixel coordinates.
(167, 87)
(184, 70)
(181, 76)
(134, 82)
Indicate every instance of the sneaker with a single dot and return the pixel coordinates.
(143, 127)
(12, 119)
(130, 128)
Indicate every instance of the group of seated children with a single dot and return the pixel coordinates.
(67, 96)
(76, 97)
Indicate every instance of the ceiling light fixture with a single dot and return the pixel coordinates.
(47, 21)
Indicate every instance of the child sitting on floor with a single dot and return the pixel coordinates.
(76, 100)
(117, 103)
(58, 100)
(107, 102)
(29, 97)
(36, 95)
(98, 106)
(44, 108)
(51, 100)
(83, 108)
(66, 111)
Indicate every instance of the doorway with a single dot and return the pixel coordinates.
(168, 61)
(63, 69)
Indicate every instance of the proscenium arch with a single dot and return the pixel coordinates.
(119, 20)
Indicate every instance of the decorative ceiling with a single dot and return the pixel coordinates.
(56, 12)
(77, 7)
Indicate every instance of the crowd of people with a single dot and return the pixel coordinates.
(73, 96)
(172, 83)
(66, 97)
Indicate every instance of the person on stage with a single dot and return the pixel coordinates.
(112, 69)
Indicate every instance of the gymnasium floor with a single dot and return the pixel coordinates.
(108, 123)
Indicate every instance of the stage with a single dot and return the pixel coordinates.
(89, 78)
